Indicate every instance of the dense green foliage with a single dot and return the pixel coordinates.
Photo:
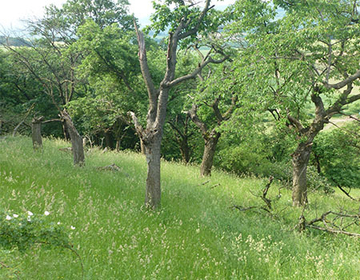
(336, 155)
(195, 235)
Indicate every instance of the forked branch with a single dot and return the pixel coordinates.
(330, 225)
(263, 196)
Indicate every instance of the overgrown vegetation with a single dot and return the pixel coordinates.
(195, 235)
(267, 91)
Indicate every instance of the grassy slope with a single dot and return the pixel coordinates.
(195, 235)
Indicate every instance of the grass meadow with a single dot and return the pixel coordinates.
(195, 235)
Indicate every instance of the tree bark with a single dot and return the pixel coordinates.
(142, 147)
(65, 130)
(36, 132)
(76, 139)
(153, 187)
(301, 156)
(118, 142)
(300, 160)
(108, 140)
(185, 150)
(209, 152)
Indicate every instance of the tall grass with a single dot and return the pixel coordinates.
(195, 235)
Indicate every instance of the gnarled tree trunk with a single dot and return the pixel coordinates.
(36, 132)
(76, 139)
(301, 156)
(209, 152)
(300, 160)
(211, 137)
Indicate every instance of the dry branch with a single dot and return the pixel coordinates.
(214, 186)
(23, 120)
(268, 207)
(347, 193)
(330, 225)
(112, 167)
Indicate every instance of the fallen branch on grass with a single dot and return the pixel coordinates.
(249, 208)
(214, 186)
(267, 201)
(67, 149)
(332, 225)
(204, 183)
(112, 167)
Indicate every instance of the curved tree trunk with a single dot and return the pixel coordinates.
(209, 152)
(76, 140)
(36, 132)
(300, 160)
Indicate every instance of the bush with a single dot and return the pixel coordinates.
(337, 155)
(20, 232)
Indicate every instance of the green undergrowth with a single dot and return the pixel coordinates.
(196, 234)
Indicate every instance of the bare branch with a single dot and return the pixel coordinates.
(26, 115)
(343, 83)
(196, 71)
(267, 201)
(228, 113)
(194, 117)
(341, 101)
(152, 92)
(295, 122)
(198, 20)
(346, 193)
(331, 230)
(216, 110)
(138, 127)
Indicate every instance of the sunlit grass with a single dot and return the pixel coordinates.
(195, 235)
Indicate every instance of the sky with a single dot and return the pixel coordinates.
(13, 11)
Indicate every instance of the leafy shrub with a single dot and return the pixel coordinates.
(23, 230)
(20, 232)
(337, 155)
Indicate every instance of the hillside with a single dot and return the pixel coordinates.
(197, 234)
(12, 41)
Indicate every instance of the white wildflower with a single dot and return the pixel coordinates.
(72, 227)
(15, 215)
(58, 223)
(30, 213)
(8, 217)
(47, 213)
(29, 219)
